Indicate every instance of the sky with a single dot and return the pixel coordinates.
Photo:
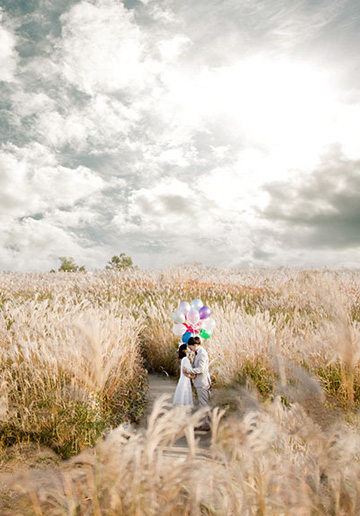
(225, 132)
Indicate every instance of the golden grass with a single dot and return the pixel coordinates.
(272, 461)
(284, 361)
(69, 367)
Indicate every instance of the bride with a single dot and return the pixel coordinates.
(183, 393)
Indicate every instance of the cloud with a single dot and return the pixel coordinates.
(32, 181)
(8, 54)
(101, 48)
(40, 243)
(95, 124)
(225, 31)
(321, 211)
(186, 222)
(151, 127)
(163, 207)
(173, 47)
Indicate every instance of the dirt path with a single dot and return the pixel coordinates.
(159, 385)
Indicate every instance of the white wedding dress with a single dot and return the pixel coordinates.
(183, 393)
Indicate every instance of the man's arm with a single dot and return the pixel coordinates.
(200, 368)
(189, 375)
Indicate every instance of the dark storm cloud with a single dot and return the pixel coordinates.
(321, 210)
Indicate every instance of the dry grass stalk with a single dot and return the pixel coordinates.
(74, 341)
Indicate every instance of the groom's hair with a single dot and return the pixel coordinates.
(194, 341)
(181, 351)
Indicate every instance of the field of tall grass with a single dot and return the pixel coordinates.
(75, 352)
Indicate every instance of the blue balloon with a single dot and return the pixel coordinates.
(186, 337)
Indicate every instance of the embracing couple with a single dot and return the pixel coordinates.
(198, 373)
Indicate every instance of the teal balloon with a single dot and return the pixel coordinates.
(186, 337)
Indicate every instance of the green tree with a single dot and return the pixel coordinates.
(120, 262)
(69, 265)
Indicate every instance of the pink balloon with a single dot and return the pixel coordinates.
(193, 316)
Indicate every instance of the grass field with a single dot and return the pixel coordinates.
(75, 352)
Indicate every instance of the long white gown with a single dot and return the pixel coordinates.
(183, 393)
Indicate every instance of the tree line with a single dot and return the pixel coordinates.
(117, 262)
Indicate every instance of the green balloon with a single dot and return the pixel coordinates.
(205, 334)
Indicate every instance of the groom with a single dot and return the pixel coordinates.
(202, 381)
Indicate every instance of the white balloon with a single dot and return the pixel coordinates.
(179, 329)
(197, 304)
(208, 324)
(178, 317)
(184, 307)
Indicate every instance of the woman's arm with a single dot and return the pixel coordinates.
(185, 367)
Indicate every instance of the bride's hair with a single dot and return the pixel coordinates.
(181, 351)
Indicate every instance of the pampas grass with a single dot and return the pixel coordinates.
(273, 461)
(285, 367)
(70, 369)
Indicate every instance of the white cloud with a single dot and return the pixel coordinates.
(174, 157)
(28, 104)
(191, 216)
(280, 106)
(168, 205)
(8, 54)
(346, 129)
(185, 110)
(32, 181)
(97, 123)
(101, 49)
(228, 188)
(40, 236)
(172, 48)
(85, 127)
(37, 244)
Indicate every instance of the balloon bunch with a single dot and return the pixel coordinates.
(193, 319)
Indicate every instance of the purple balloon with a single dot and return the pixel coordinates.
(205, 312)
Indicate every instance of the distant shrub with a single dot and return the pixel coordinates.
(69, 265)
(120, 262)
